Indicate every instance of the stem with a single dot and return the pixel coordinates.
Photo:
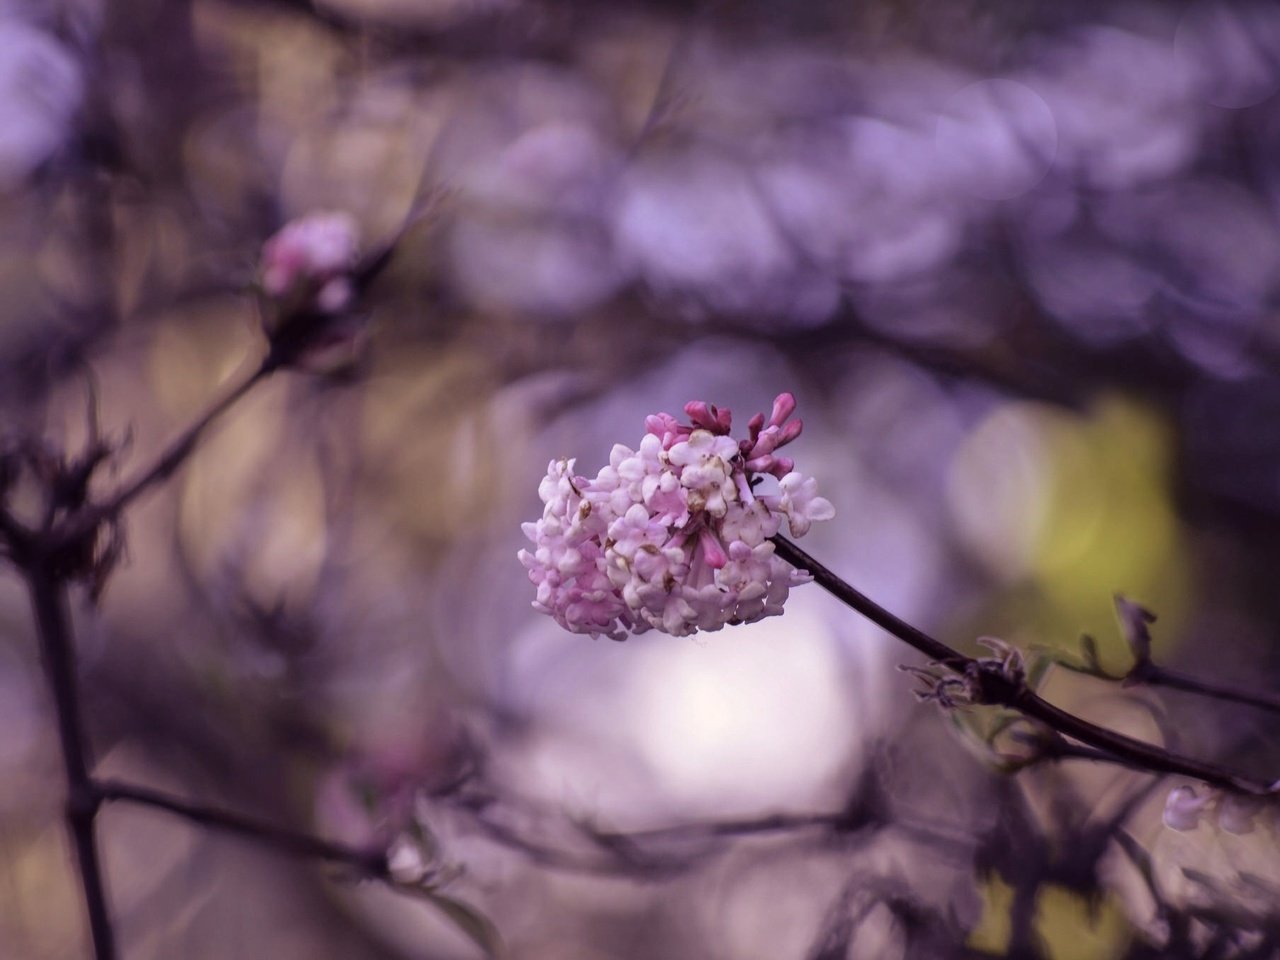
(180, 448)
(934, 649)
(999, 688)
(371, 863)
(49, 600)
(1154, 675)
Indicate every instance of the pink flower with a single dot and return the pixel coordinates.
(801, 503)
(671, 536)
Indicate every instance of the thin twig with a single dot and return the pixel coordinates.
(1000, 688)
(85, 522)
(181, 447)
(370, 863)
(1154, 675)
(1135, 623)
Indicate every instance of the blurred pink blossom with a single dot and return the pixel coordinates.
(1186, 805)
(313, 254)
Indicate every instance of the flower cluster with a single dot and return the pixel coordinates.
(673, 535)
(1186, 806)
(313, 256)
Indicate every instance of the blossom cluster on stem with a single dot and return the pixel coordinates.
(674, 535)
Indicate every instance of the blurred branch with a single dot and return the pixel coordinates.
(369, 863)
(544, 32)
(49, 600)
(662, 851)
(1135, 621)
(988, 681)
(610, 852)
(1157, 676)
(181, 447)
(79, 540)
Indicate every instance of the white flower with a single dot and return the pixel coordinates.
(801, 503)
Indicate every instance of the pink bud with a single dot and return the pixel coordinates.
(783, 406)
(712, 549)
(790, 431)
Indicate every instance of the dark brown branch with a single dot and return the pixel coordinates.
(996, 687)
(49, 601)
(1154, 675)
(371, 863)
(1135, 622)
(935, 650)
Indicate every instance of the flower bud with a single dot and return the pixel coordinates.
(1184, 807)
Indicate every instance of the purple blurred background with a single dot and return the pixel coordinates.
(1019, 263)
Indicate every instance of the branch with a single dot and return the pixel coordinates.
(49, 600)
(1135, 622)
(371, 863)
(15, 537)
(663, 851)
(1154, 675)
(996, 687)
(181, 447)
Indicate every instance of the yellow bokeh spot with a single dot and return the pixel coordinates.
(1069, 509)
(1065, 922)
(995, 925)
(1071, 930)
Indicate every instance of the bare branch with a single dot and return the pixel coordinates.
(1000, 687)
(180, 448)
(370, 863)
(1158, 676)
(1134, 622)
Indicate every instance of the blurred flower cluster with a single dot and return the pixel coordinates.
(1187, 805)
